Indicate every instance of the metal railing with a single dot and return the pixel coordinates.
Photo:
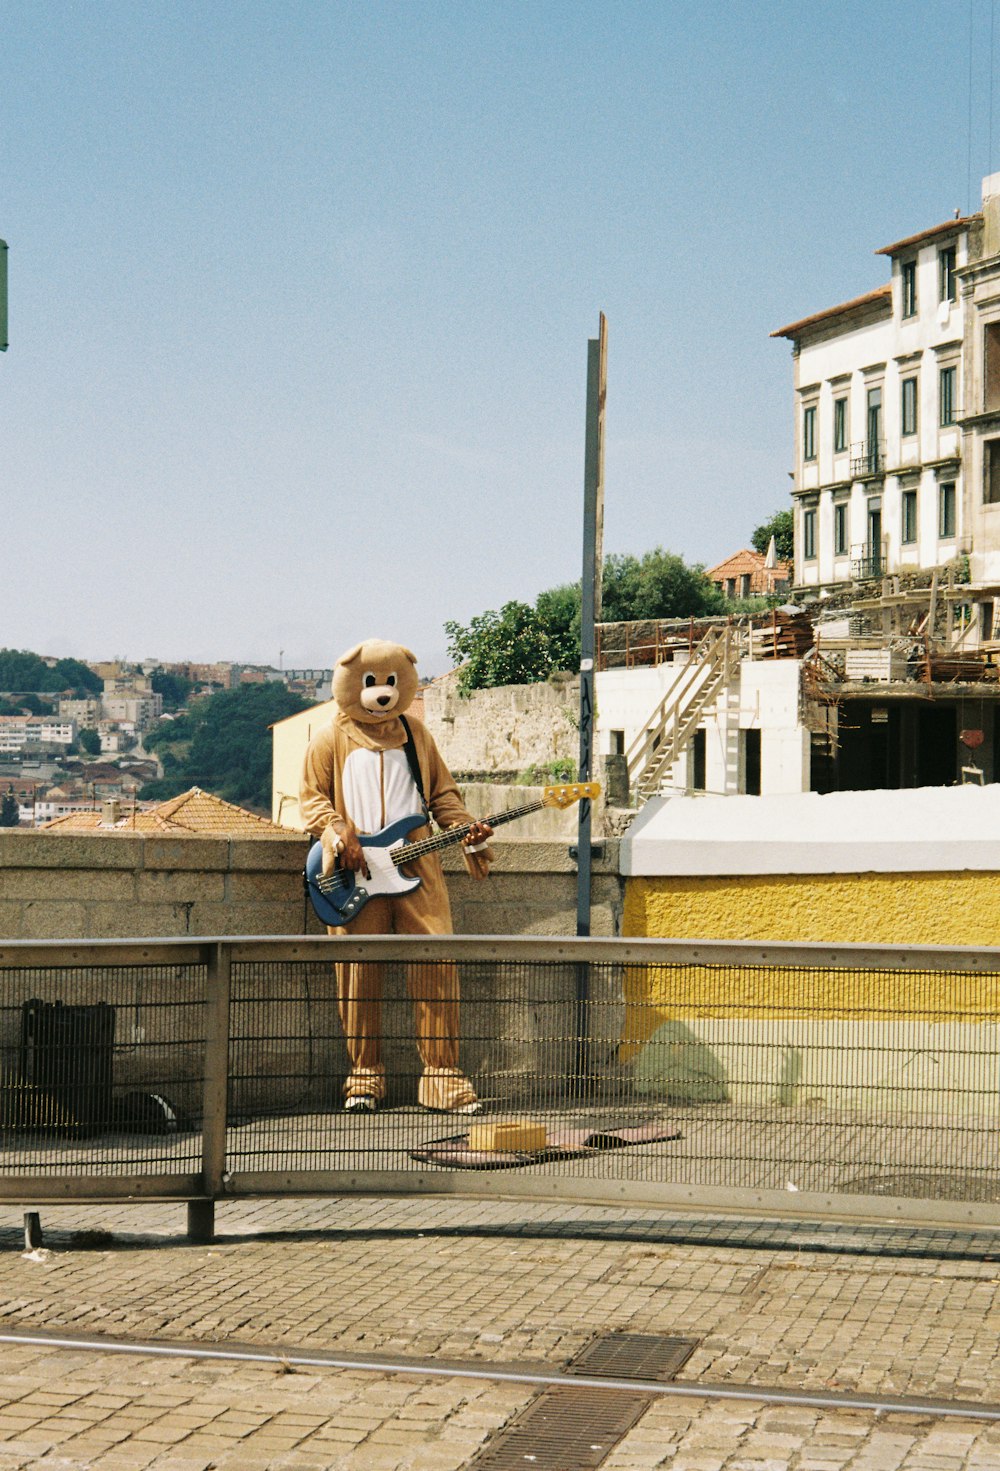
(802, 1079)
(867, 560)
(867, 458)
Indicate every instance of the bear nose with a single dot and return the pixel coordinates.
(384, 699)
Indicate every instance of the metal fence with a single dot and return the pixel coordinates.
(809, 1079)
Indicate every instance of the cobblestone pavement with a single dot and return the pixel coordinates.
(424, 1278)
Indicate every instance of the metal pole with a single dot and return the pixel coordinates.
(593, 539)
(215, 1104)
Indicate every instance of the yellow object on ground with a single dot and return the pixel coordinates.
(508, 1134)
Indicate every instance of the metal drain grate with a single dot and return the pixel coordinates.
(649, 1356)
(563, 1430)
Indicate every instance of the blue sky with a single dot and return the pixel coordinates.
(301, 292)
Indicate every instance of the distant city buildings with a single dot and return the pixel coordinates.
(40, 754)
(34, 732)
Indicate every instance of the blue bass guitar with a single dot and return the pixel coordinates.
(340, 895)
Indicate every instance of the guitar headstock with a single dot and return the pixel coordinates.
(570, 792)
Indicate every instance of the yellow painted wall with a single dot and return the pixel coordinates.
(290, 737)
(852, 909)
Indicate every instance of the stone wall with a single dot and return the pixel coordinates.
(122, 885)
(506, 729)
(119, 885)
(106, 886)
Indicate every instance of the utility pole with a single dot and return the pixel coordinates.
(593, 549)
(3, 296)
(590, 609)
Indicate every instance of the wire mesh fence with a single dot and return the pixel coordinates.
(101, 1069)
(628, 1065)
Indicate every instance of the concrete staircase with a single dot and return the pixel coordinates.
(711, 666)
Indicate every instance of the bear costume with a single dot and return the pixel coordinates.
(356, 779)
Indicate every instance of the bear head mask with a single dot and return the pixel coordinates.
(375, 681)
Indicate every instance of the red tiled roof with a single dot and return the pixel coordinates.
(750, 563)
(961, 223)
(193, 814)
(870, 299)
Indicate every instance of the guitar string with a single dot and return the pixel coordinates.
(341, 879)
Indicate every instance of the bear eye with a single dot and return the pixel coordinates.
(390, 679)
(370, 681)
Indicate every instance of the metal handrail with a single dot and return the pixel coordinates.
(202, 1174)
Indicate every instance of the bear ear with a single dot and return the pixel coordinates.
(351, 655)
(412, 657)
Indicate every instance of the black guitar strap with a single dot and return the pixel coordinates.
(411, 759)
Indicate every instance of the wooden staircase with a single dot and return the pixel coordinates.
(672, 723)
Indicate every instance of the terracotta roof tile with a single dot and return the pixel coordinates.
(949, 226)
(193, 814)
(871, 298)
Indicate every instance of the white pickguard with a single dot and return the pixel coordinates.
(386, 878)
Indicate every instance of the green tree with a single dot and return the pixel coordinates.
(780, 527)
(89, 741)
(559, 610)
(657, 585)
(170, 732)
(21, 670)
(10, 813)
(175, 689)
(230, 745)
(521, 645)
(509, 647)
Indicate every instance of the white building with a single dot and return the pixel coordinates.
(897, 413)
(18, 732)
(134, 712)
(751, 737)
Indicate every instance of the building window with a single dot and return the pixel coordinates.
(946, 272)
(946, 509)
(840, 529)
(809, 535)
(946, 395)
(909, 406)
(839, 424)
(991, 366)
(698, 761)
(809, 433)
(751, 762)
(909, 534)
(874, 451)
(909, 274)
(744, 584)
(991, 469)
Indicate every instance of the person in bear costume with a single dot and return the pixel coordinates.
(356, 779)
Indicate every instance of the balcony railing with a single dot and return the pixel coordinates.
(867, 560)
(868, 458)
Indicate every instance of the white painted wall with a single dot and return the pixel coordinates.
(765, 697)
(845, 362)
(919, 830)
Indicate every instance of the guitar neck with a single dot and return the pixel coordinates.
(409, 851)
